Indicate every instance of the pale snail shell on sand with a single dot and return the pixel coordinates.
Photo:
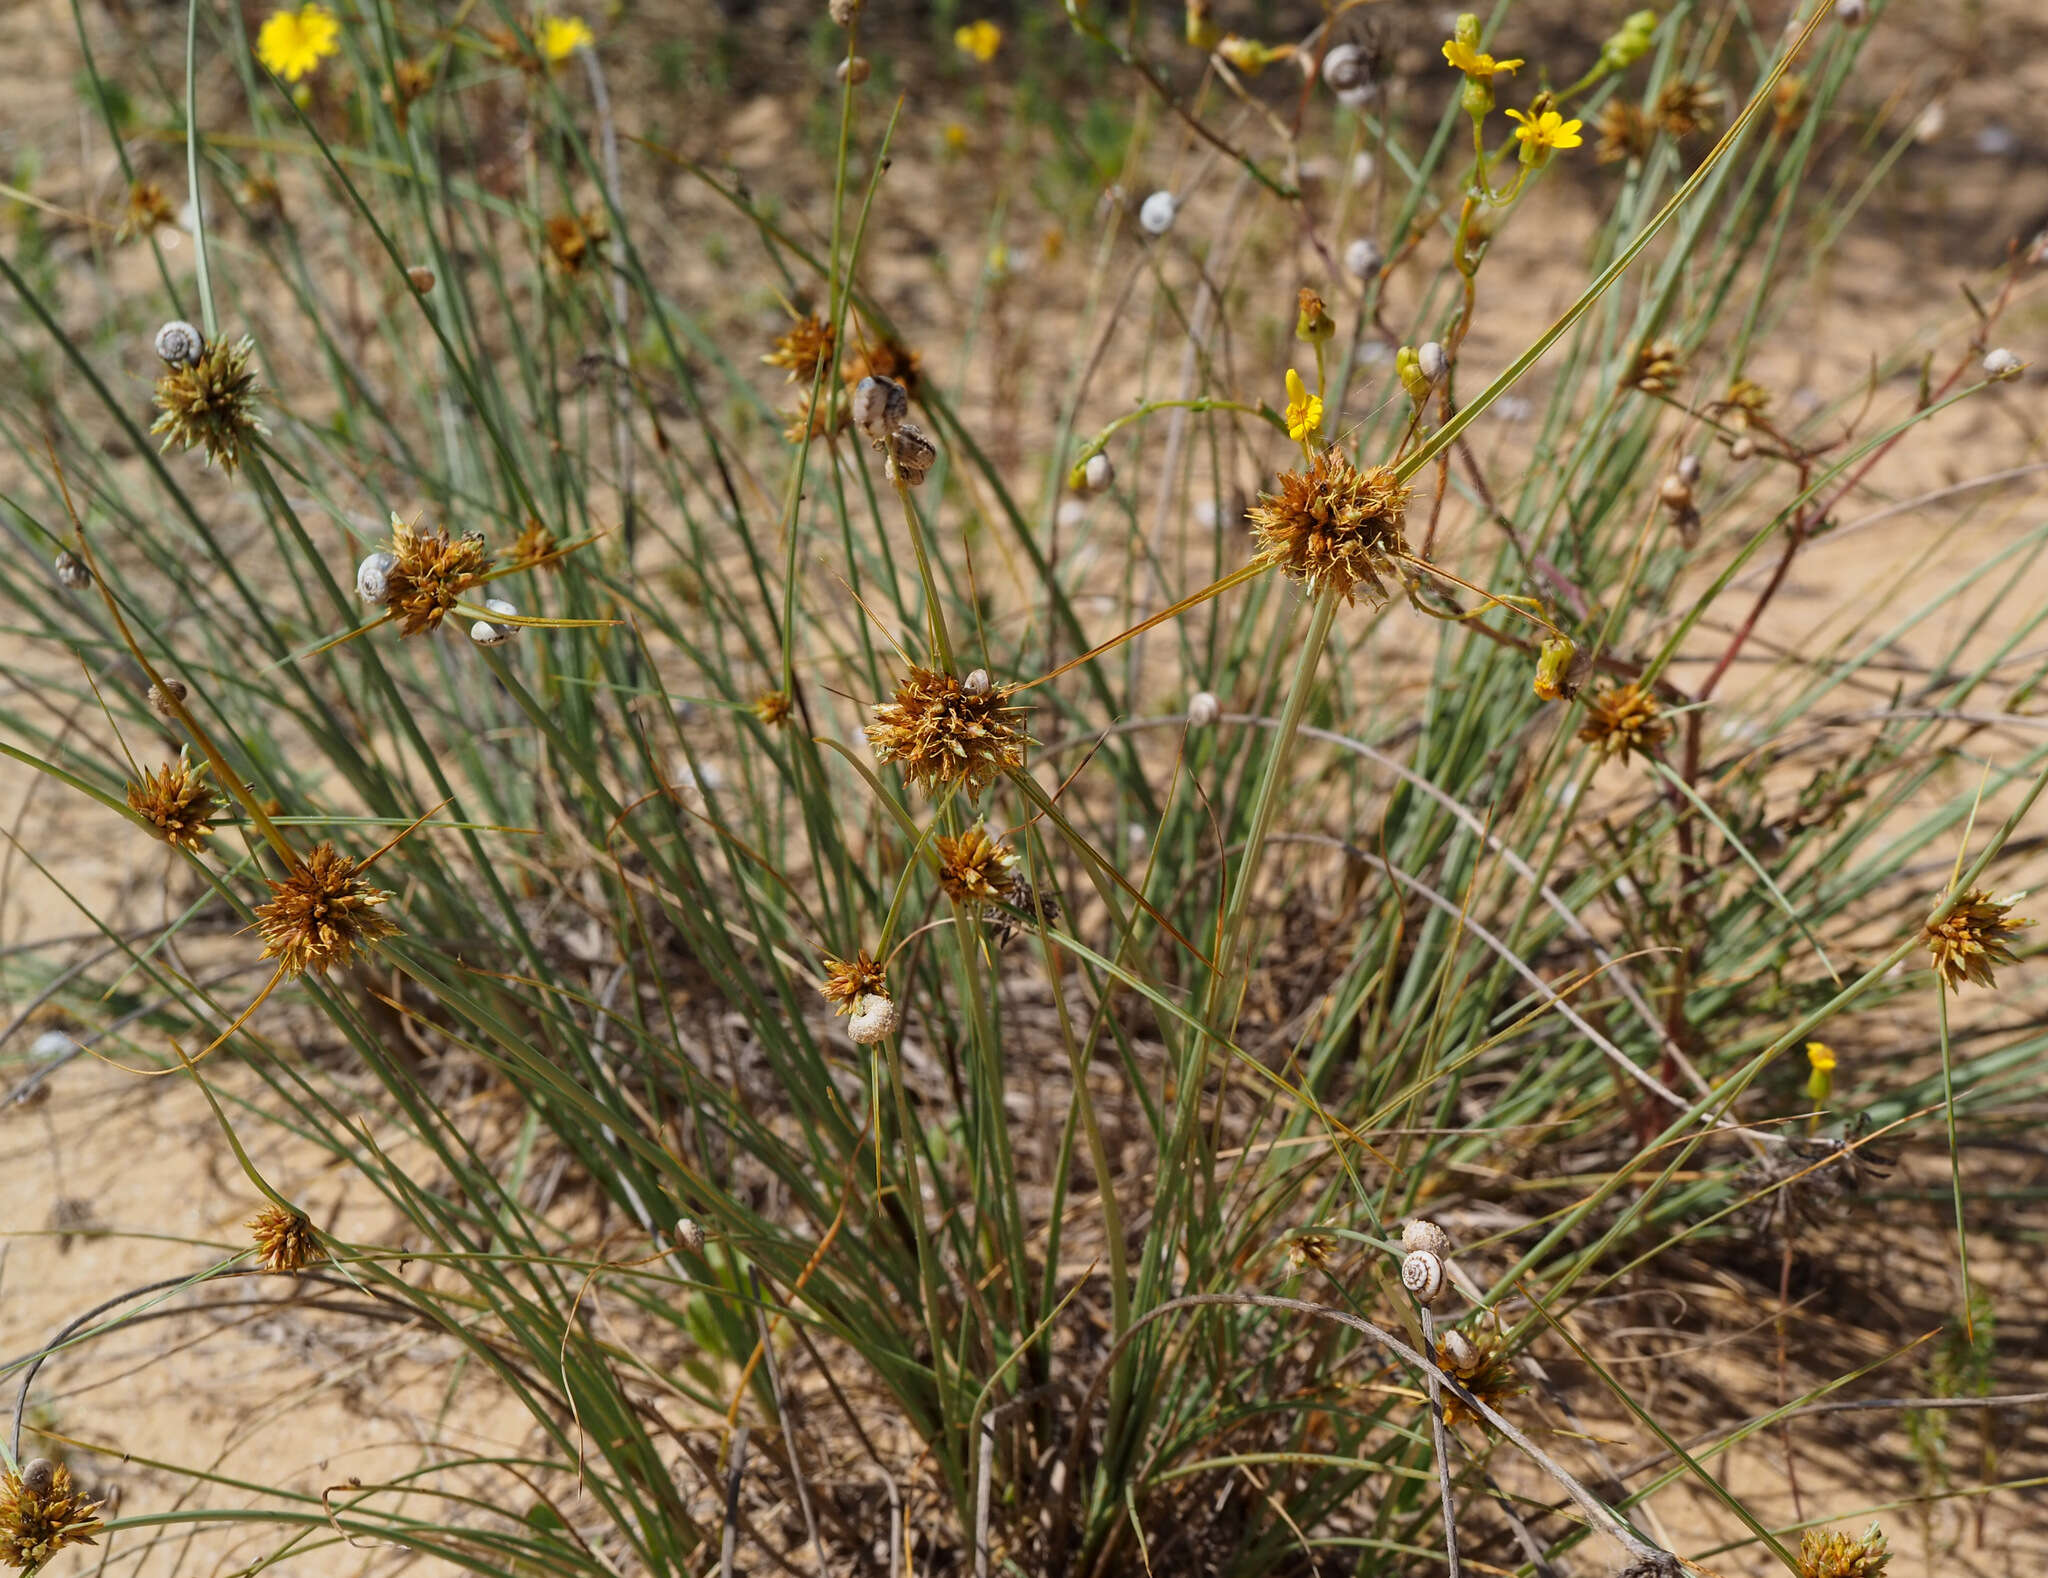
(1422, 1274)
(1422, 1234)
(179, 344)
(373, 577)
(873, 1017)
(486, 634)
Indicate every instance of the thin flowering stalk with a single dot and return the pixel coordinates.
(201, 267)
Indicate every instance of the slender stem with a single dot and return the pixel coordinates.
(208, 318)
(935, 612)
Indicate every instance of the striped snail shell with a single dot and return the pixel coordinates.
(911, 454)
(879, 407)
(1421, 1234)
(874, 1016)
(179, 344)
(1422, 1274)
(373, 577)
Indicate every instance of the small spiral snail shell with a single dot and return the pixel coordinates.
(873, 1017)
(689, 1235)
(486, 634)
(1156, 213)
(1203, 709)
(1421, 1234)
(1422, 1274)
(976, 683)
(911, 455)
(1097, 474)
(879, 407)
(39, 1476)
(1460, 1356)
(70, 571)
(179, 344)
(373, 577)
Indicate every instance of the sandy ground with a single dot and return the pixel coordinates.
(115, 1180)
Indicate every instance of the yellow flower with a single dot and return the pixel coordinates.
(559, 37)
(1820, 1057)
(1304, 410)
(955, 136)
(1479, 68)
(1540, 134)
(293, 43)
(980, 39)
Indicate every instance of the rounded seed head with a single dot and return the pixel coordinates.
(1422, 1274)
(373, 577)
(1362, 259)
(2002, 363)
(179, 344)
(70, 571)
(879, 407)
(873, 1018)
(1155, 214)
(1743, 447)
(854, 69)
(1420, 1234)
(843, 11)
(1203, 709)
(39, 1476)
(1430, 357)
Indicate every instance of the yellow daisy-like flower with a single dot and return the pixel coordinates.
(1304, 410)
(1820, 1057)
(293, 43)
(559, 37)
(1541, 135)
(980, 39)
(1476, 66)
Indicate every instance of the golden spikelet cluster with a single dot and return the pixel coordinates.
(41, 1513)
(429, 572)
(1625, 132)
(1334, 527)
(1484, 1367)
(1972, 938)
(320, 914)
(210, 403)
(176, 801)
(847, 981)
(882, 357)
(803, 348)
(816, 414)
(1839, 1556)
(285, 1241)
(573, 240)
(1745, 404)
(943, 733)
(772, 707)
(1685, 107)
(1658, 367)
(974, 867)
(1624, 719)
(146, 211)
(1311, 1251)
(533, 546)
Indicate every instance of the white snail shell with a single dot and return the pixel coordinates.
(2002, 363)
(39, 1476)
(1203, 709)
(689, 1235)
(1155, 214)
(1362, 259)
(1459, 1353)
(179, 344)
(1688, 469)
(879, 407)
(976, 683)
(373, 577)
(71, 571)
(874, 1017)
(486, 634)
(1097, 474)
(1420, 1234)
(1422, 1274)
(1430, 357)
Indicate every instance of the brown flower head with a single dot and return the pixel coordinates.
(1624, 718)
(429, 572)
(176, 802)
(803, 348)
(574, 239)
(1686, 107)
(40, 1514)
(210, 403)
(945, 733)
(1334, 526)
(882, 357)
(146, 211)
(847, 981)
(1625, 132)
(285, 1241)
(1311, 1251)
(533, 544)
(409, 82)
(772, 707)
(816, 414)
(1973, 938)
(1788, 99)
(974, 867)
(1838, 1556)
(320, 914)
(1744, 406)
(1483, 1366)
(1658, 367)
